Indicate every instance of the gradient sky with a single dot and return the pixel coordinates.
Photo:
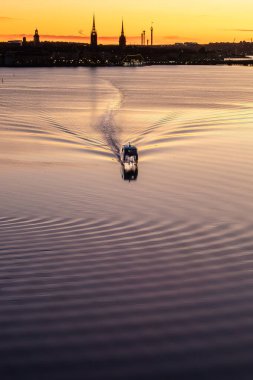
(174, 21)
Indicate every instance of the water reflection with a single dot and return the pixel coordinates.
(129, 172)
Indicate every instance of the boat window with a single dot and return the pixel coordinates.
(131, 152)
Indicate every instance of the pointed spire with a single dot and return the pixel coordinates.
(93, 26)
(122, 39)
(93, 36)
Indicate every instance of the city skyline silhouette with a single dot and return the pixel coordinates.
(214, 21)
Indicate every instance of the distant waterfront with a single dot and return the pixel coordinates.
(76, 54)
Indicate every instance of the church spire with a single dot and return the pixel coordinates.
(122, 39)
(93, 36)
(93, 26)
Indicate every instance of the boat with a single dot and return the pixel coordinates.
(129, 172)
(129, 155)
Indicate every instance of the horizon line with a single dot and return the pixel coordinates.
(81, 38)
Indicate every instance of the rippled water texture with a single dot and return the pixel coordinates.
(102, 277)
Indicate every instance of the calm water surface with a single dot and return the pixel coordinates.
(106, 278)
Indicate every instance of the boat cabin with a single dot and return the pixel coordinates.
(129, 154)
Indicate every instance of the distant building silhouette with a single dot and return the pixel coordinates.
(152, 35)
(133, 60)
(93, 36)
(144, 37)
(122, 39)
(36, 38)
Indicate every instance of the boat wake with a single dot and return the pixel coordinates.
(107, 126)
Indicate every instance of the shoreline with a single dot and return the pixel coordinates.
(217, 63)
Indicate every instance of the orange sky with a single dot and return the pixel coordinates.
(181, 21)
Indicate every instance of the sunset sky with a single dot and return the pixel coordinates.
(178, 21)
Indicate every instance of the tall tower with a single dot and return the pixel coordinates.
(122, 39)
(144, 37)
(36, 38)
(93, 35)
(152, 35)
